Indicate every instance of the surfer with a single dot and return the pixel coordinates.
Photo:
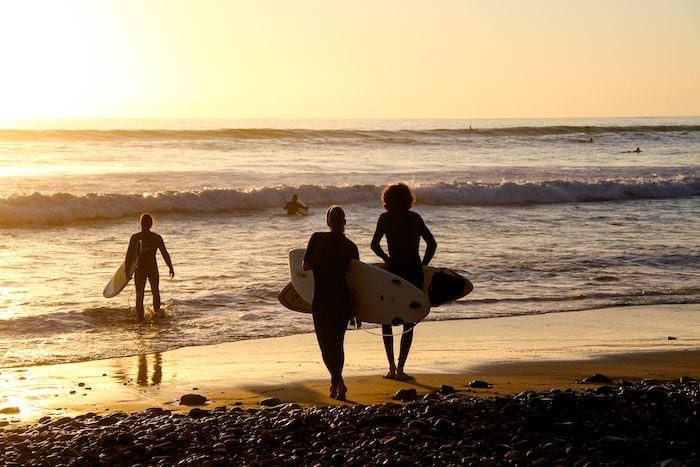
(328, 255)
(295, 206)
(403, 229)
(145, 244)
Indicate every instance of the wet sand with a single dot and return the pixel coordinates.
(492, 392)
(512, 354)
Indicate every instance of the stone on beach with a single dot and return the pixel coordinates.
(595, 379)
(478, 384)
(622, 426)
(192, 399)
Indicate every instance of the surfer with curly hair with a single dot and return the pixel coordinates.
(403, 229)
(146, 244)
(328, 255)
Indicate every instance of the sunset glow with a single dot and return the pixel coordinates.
(360, 59)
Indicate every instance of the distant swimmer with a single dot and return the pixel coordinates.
(636, 150)
(295, 207)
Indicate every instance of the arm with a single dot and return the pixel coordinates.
(375, 245)
(431, 244)
(130, 251)
(307, 265)
(166, 257)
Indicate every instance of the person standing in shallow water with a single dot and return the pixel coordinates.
(328, 255)
(146, 243)
(403, 229)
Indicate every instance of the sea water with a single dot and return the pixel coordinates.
(541, 215)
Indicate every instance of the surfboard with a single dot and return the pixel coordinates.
(120, 278)
(289, 297)
(377, 295)
(441, 285)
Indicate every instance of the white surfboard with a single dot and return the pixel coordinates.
(378, 296)
(120, 278)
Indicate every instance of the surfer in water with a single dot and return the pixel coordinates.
(328, 255)
(295, 206)
(145, 244)
(403, 229)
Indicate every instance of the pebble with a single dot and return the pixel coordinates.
(641, 424)
(479, 384)
(192, 399)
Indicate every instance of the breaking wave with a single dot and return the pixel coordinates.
(66, 208)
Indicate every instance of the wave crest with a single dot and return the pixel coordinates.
(66, 208)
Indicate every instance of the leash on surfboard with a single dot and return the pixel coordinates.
(381, 334)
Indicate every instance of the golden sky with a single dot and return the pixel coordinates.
(349, 58)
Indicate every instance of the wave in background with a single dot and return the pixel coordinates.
(66, 208)
(406, 136)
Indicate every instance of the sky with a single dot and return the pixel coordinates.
(349, 58)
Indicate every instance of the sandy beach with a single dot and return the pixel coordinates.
(486, 392)
(535, 352)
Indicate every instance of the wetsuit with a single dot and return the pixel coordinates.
(329, 254)
(403, 230)
(146, 243)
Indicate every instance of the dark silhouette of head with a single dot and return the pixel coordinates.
(146, 222)
(294, 197)
(335, 218)
(397, 197)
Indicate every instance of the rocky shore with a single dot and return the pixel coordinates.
(645, 423)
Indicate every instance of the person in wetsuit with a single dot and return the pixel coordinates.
(295, 207)
(328, 255)
(145, 244)
(403, 229)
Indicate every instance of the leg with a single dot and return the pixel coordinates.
(406, 341)
(389, 348)
(140, 282)
(154, 282)
(330, 333)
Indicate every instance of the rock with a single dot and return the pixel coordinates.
(686, 379)
(9, 410)
(478, 384)
(405, 395)
(270, 402)
(192, 399)
(446, 389)
(595, 379)
(671, 338)
(198, 413)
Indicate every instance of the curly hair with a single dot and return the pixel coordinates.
(397, 197)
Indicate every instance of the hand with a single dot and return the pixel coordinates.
(172, 273)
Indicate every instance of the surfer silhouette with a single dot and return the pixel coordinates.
(146, 244)
(403, 229)
(295, 206)
(636, 150)
(328, 255)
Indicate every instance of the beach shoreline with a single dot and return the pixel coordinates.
(496, 392)
(536, 352)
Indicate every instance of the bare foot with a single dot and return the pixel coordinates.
(390, 375)
(333, 391)
(401, 376)
(342, 390)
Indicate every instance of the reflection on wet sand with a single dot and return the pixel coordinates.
(142, 377)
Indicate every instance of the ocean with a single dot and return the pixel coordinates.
(541, 215)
